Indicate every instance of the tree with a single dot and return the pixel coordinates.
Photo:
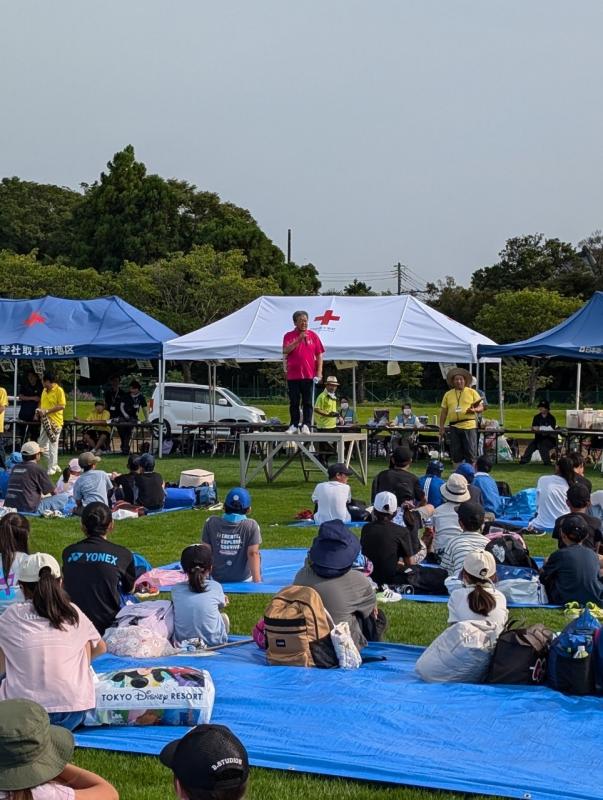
(457, 302)
(36, 216)
(126, 215)
(514, 316)
(23, 276)
(358, 289)
(532, 260)
(520, 380)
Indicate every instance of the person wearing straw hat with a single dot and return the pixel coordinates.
(460, 407)
(35, 758)
(325, 408)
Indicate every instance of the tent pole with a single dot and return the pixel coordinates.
(15, 389)
(354, 392)
(501, 395)
(160, 378)
(74, 389)
(578, 382)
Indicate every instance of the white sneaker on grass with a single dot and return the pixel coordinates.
(388, 596)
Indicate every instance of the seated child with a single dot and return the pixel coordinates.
(572, 573)
(124, 483)
(67, 480)
(471, 519)
(390, 547)
(488, 486)
(198, 604)
(578, 501)
(479, 598)
(467, 471)
(209, 763)
(96, 437)
(148, 484)
(234, 540)
(432, 482)
(36, 759)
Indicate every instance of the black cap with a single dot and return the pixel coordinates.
(209, 757)
(196, 555)
(339, 469)
(544, 404)
(575, 528)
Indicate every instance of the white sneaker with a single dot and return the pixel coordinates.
(305, 430)
(291, 429)
(388, 596)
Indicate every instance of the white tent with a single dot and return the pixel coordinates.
(391, 328)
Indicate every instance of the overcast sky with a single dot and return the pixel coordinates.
(420, 131)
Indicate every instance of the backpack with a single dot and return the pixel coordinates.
(565, 672)
(420, 579)
(521, 505)
(297, 628)
(141, 565)
(508, 550)
(525, 591)
(206, 494)
(461, 654)
(520, 655)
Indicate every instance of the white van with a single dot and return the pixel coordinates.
(189, 404)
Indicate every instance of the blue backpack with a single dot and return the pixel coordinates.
(141, 565)
(207, 494)
(567, 671)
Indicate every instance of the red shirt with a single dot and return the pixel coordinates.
(301, 361)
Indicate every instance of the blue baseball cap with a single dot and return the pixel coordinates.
(466, 470)
(238, 499)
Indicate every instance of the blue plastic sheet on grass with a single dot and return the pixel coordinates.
(309, 523)
(382, 723)
(279, 567)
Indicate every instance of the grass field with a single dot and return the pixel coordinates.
(161, 540)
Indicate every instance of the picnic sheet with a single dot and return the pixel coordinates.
(385, 724)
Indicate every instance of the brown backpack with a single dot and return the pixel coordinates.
(295, 622)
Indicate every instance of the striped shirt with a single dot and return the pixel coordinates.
(458, 547)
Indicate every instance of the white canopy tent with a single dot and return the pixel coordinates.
(384, 328)
(390, 328)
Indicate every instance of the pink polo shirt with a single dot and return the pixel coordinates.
(301, 361)
(44, 664)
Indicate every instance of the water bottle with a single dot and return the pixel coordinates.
(581, 652)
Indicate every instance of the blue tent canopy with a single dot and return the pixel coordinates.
(56, 328)
(578, 338)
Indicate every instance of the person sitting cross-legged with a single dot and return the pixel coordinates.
(235, 540)
(93, 486)
(573, 572)
(332, 497)
(471, 520)
(399, 479)
(432, 482)
(487, 485)
(578, 501)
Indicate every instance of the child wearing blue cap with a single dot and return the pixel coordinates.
(235, 540)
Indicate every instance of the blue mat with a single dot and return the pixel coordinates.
(514, 522)
(309, 523)
(279, 567)
(384, 724)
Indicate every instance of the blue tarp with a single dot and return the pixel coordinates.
(56, 328)
(279, 567)
(382, 723)
(579, 337)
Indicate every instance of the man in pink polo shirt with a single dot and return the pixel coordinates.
(302, 355)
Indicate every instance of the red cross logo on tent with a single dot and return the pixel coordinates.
(327, 317)
(33, 318)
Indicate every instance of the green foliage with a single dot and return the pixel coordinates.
(22, 276)
(358, 289)
(457, 302)
(521, 379)
(532, 260)
(516, 315)
(187, 291)
(35, 216)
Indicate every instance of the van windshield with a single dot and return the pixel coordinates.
(232, 396)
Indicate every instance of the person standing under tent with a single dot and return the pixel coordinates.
(114, 397)
(30, 394)
(460, 407)
(131, 405)
(52, 405)
(302, 357)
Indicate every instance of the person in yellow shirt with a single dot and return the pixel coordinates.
(460, 407)
(52, 405)
(96, 437)
(325, 407)
(3, 407)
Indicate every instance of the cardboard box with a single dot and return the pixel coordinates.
(195, 477)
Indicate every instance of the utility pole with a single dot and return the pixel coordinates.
(399, 271)
(288, 245)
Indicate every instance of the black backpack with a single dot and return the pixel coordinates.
(507, 550)
(423, 580)
(520, 655)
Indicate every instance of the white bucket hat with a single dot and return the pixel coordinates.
(455, 489)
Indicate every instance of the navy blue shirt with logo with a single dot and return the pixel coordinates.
(95, 573)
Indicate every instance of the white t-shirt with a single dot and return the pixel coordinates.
(446, 526)
(459, 611)
(332, 498)
(551, 502)
(49, 791)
